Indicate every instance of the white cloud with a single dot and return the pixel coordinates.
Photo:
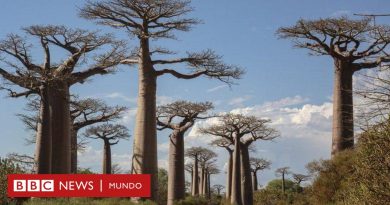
(117, 95)
(239, 100)
(162, 100)
(220, 87)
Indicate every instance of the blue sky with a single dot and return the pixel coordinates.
(282, 83)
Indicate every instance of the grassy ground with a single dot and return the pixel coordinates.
(83, 201)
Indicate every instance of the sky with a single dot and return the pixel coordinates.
(281, 83)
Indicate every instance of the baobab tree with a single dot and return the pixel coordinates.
(179, 117)
(83, 113)
(227, 145)
(189, 168)
(258, 164)
(210, 170)
(241, 131)
(206, 159)
(218, 188)
(194, 154)
(51, 81)
(111, 135)
(298, 179)
(283, 171)
(353, 45)
(153, 20)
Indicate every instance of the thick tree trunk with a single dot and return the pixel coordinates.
(201, 184)
(254, 180)
(229, 176)
(192, 180)
(343, 133)
(145, 138)
(246, 181)
(195, 184)
(61, 149)
(107, 158)
(176, 178)
(235, 198)
(73, 145)
(209, 186)
(43, 150)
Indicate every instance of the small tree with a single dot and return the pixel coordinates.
(283, 171)
(218, 188)
(227, 145)
(194, 154)
(206, 159)
(258, 164)
(110, 134)
(353, 45)
(298, 179)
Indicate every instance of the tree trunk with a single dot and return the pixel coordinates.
(73, 145)
(254, 180)
(107, 158)
(195, 184)
(343, 133)
(145, 138)
(176, 178)
(229, 176)
(61, 149)
(43, 150)
(192, 180)
(209, 186)
(283, 184)
(246, 181)
(201, 184)
(235, 198)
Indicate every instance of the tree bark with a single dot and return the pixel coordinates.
(246, 181)
(61, 148)
(176, 177)
(343, 133)
(209, 186)
(107, 158)
(145, 137)
(201, 184)
(43, 150)
(73, 158)
(283, 184)
(195, 184)
(235, 198)
(254, 180)
(229, 176)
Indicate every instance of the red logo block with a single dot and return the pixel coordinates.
(79, 185)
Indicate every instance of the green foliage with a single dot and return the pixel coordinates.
(85, 201)
(273, 195)
(162, 186)
(7, 167)
(333, 177)
(276, 184)
(84, 171)
(370, 183)
(199, 201)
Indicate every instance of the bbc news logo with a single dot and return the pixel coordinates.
(79, 185)
(33, 185)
